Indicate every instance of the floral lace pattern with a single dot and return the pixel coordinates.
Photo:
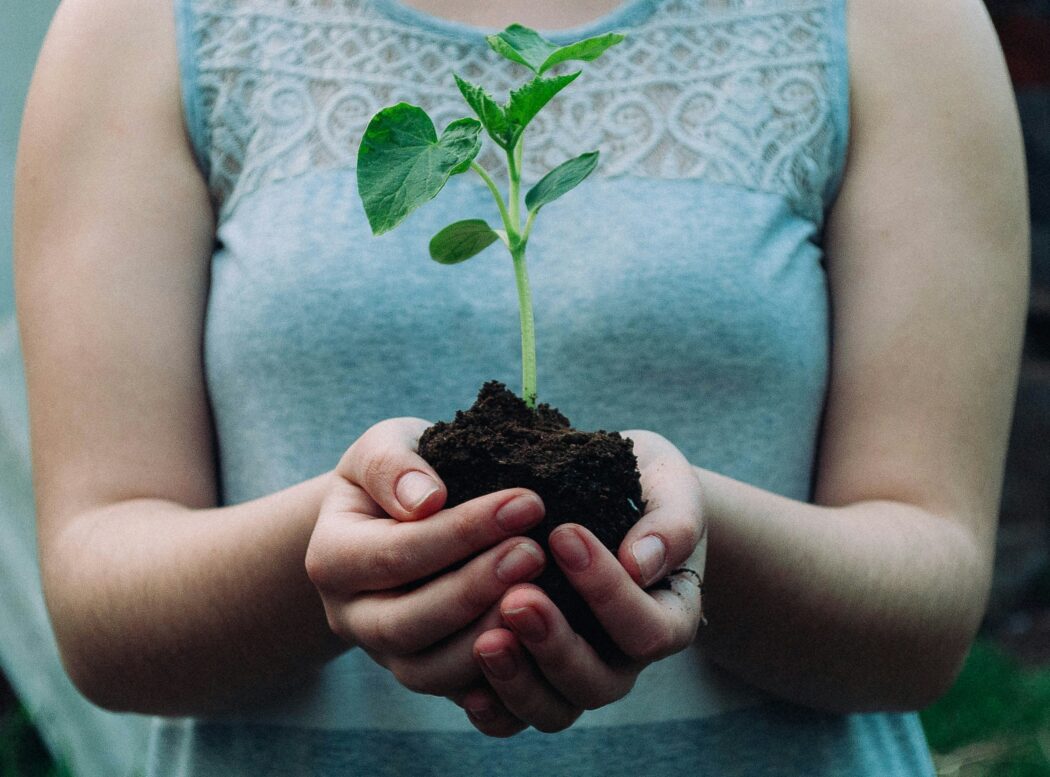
(737, 92)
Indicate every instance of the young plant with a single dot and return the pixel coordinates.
(403, 163)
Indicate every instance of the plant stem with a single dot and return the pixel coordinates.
(528, 329)
(495, 192)
(516, 242)
(528, 226)
(521, 278)
(514, 173)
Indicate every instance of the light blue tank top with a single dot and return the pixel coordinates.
(679, 289)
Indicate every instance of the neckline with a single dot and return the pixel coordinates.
(628, 12)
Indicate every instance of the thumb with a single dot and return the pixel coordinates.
(384, 462)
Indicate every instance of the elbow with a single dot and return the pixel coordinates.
(939, 668)
(98, 674)
(94, 683)
(926, 682)
(931, 652)
(93, 661)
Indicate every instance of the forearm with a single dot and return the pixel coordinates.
(163, 609)
(869, 606)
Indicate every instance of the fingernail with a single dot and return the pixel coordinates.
(649, 553)
(413, 488)
(527, 624)
(500, 664)
(570, 549)
(523, 560)
(521, 512)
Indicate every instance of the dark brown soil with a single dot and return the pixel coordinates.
(589, 478)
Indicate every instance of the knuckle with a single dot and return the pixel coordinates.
(359, 451)
(378, 471)
(321, 568)
(558, 722)
(388, 563)
(465, 527)
(337, 625)
(316, 568)
(383, 633)
(683, 539)
(474, 600)
(657, 642)
(604, 593)
(613, 693)
(412, 677)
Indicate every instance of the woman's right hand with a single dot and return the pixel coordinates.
(381, 547)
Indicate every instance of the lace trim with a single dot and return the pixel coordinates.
(732, 91)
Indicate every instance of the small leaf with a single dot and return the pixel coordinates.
(493, 116)
(566, 176)
(529, 48)
(401, 163)
(528, 100)
(520, 44)
(462, 240)
(583, 51)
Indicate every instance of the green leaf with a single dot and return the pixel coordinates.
(566, 176)
(462, 240)
(583, 51)
(522, 45)
(527, 47)
(493, 116)
(402, 164)
(529, 99)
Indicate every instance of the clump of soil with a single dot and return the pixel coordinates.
(589, 478)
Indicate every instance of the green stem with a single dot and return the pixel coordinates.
(514, 173)
(528, 226)
(495, 192)
(528, 329)
(512, 221)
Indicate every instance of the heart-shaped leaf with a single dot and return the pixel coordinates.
(561, 179)
(528, 100)
(402, 164)
(462, 240)
(527, 47)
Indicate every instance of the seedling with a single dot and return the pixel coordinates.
(403, 163)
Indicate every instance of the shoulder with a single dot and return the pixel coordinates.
(931, 54)
(106, 83)
(933, 113)
(110, 52)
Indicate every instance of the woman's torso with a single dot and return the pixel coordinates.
(679, 289)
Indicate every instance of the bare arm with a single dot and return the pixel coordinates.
(160, 601)
(870, 598)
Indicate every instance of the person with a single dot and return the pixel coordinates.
(800, 275)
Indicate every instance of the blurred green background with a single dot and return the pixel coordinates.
(996, 719)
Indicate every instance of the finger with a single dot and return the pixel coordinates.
(399, 623)
(350, 556)
(446, 669)
(384, 462)
(646, 626)
(488, 715)
(672, 525)
(523, 690)
(569, 664)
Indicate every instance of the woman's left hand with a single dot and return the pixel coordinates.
(540, 672)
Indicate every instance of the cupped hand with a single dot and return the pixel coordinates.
(413, 584)
(540, 672)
